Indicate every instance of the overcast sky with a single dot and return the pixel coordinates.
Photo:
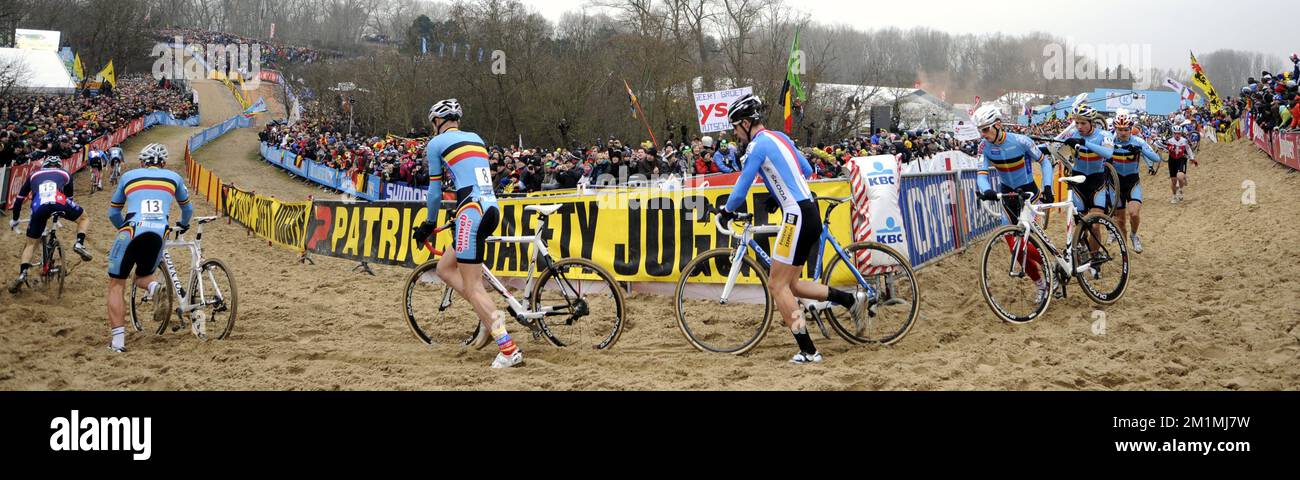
(1170, 27)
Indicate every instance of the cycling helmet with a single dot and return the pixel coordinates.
(748, 106)
(153, 155)
(1123, 119)
(1085, 111)
(987, 115)
(448, 109)
(52, 162)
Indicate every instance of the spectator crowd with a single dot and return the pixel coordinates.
(273, 54)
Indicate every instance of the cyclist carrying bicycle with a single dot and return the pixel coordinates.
(463, 158)
(772, 156)
(115, 160)
(1013, 156)
(1128, 147)
(51, 191)
(1092, 147)
(145, 195)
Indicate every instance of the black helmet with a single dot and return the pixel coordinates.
(748, 106)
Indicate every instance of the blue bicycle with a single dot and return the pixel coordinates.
(723, 304)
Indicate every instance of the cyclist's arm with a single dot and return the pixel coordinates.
(434, 199)
(115, 206)
(982, 174)
(67, 187)
(740, 192)
(1103, 150)
(804, 166)
(183, 200)
(1149, 154)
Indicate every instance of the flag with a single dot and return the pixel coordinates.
(107, 74)
(792, 89)
(631, 98)
(78, 69)
(256, 108)
(272, 30)
(297, 161)
(359, 179)
(1199, 78)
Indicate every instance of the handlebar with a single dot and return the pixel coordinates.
(428, 244)
(717, 221)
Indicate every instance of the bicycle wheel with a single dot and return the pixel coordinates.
(895, 300)
(52, 270)
(1105, 285)
(711, 325)
(157, 309)
(1009, 290)
(435, 314)
(218, 297)
(1111, 187)
(583, 303)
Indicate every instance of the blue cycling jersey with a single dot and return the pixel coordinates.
(772, 156)
(1125, 156)
(1091, 157)
(146, 195)
(463, 157)
(1012, 158)
(115, 153)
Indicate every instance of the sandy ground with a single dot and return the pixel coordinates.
(1212, 306)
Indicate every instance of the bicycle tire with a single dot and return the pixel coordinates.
(162, 316)
(415, 317)
(854, 335)
(553, 331)
(1086, 284)
(696, 337)
(229, 299)
(58, 269)
(1046, 269)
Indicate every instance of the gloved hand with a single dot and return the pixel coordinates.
(181, 228)
(989, 195)
(771, 205)
(726, 216)
(1151, 169)
(423, 232)
(1048, 196)
(1074, 142)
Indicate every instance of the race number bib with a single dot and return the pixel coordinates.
(785, 240)
(48, 192)
(484, 178)
(152, 209)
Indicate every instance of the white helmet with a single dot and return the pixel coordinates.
(153, 155)
(448, 109)
(987, 115)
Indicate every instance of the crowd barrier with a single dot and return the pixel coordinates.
(1283, 146)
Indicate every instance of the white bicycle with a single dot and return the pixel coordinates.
(1007, 271)
(209, 305)
(573, 302)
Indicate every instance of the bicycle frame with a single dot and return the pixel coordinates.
(747, 242)
(195, 247)
(537, 249)
(1020, 252)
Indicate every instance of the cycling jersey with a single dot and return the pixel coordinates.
(115, 154)
(1096, 149)
(1179, 148)
(463, 158)
(146, 194)
(772, 156)
(1125, 156)
(1012, 157)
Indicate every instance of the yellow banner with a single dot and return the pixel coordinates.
(282, 223)
(644, 235)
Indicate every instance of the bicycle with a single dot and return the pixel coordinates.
(719, 321)
(116, 172)
(573, 302)
(1084, 255)
(51, 266)
(206, 301)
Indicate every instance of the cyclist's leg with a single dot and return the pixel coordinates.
(799, 235)
(75, 213)
(35, 228)
(474, 223)
(1012, 206)
(129, 252)
(1133, 199)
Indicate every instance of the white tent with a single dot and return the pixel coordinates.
(37, 72)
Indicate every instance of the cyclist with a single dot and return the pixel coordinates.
(772, 156)
(51, 187)
(115, 159)
(1180, 151)
(1012, 156)
(1125, 159)
(1092, 147)
(96, 160)
(145, 195)
(463, 158)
